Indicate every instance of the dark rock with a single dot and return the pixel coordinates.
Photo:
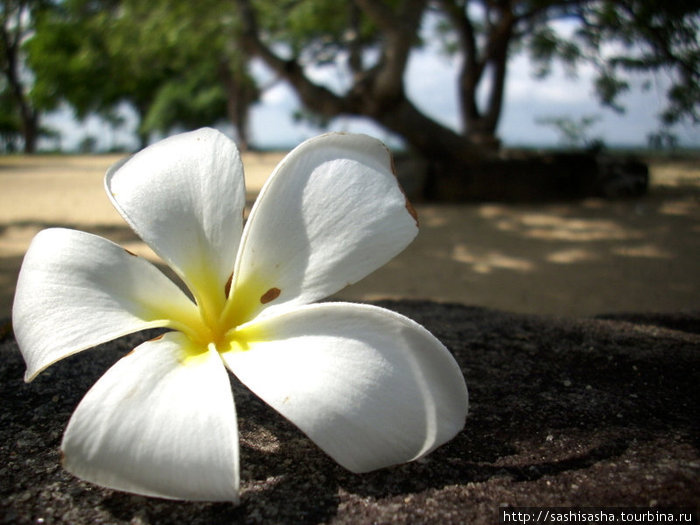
(523, 177)
(621, 177)
(585, 412)
(412, 173)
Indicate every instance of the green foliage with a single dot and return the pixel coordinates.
(618, 37)
(642, 36)
(163, 57)
(316, 31)
(609, 87)
(545, 45)
(183, 65)
(185, 102)
(69, 61)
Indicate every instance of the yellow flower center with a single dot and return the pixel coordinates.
(220, 321)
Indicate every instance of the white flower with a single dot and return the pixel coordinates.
(369, 386)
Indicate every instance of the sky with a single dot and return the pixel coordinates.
(431, 85)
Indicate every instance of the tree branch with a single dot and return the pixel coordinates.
(472, 67)
(374, 93)
(316, 97)
(400, 30)
(496, 53)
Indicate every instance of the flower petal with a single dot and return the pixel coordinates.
(76, 290)
(158, 423)
(331, 213)
(370, 387)
(185, 197)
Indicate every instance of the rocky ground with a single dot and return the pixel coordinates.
(583, 412)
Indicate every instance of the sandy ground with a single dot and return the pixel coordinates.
(571, 259)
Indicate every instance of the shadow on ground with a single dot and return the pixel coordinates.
(577, 258)
(572, 258)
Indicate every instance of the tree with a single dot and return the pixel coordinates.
(312, 32)
(10, 123)
(187, 64)
(651, 35)
(574, 133)
(20, 113)
(70, 61)
(372, 40)
(171, 61)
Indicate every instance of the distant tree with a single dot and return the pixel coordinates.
(645, 36)
(10, 124)
(573, 133)
(170, 60)
(371, 40)
(67, 55)
(20, 114)
(662, 140)
(185, 64)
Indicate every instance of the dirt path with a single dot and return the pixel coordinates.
(570, 259)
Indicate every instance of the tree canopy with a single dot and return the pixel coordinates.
(183, 65)
(170, 60)
(372, 41)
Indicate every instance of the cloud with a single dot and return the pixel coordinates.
(431, 84)
(559, 87)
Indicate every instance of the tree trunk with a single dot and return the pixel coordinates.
(241, 94)
(30, 132)
(424, 135)
(29, 118)
(480, 124)
(378, 92)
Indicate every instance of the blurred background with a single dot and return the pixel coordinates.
(101, 75)
(552, 145)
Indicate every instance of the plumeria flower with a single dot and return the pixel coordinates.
(369, 386)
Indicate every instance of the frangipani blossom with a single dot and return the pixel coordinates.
(369, 386)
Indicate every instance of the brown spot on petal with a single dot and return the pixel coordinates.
(227, 286)
(409, 206)
(393, 163)
(270, 295)
(130, 253)
(412, 211)
(150, 340)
